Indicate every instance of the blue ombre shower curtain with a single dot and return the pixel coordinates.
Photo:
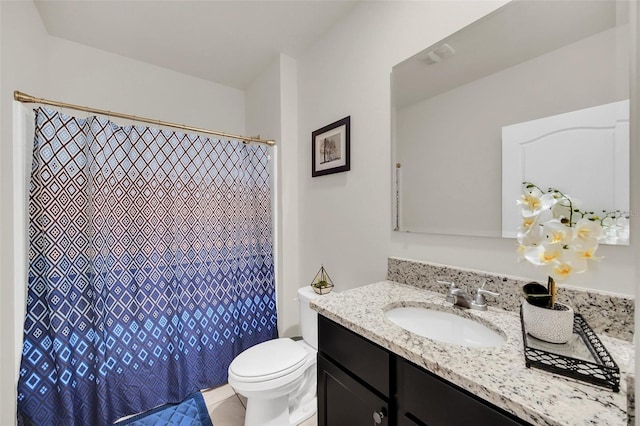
(151, 267)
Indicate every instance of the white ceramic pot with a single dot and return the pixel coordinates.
(550, 325)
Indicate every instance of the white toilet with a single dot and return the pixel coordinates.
(278, 377)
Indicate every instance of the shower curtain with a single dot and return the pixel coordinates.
(151, 267)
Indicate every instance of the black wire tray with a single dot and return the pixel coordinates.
(583, 357)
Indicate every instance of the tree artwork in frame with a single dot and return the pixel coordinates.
(330, 148)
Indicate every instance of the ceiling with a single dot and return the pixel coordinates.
(227, 42)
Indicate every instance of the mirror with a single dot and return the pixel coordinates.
(527, 62)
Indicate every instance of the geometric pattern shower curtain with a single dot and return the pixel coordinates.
(151, 267)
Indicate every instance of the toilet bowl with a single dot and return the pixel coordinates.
(278, 377)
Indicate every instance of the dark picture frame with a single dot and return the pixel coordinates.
(330, 148)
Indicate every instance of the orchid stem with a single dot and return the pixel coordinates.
(551, 288)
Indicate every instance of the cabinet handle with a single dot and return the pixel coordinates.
(377, 417)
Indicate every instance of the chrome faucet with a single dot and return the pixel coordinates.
(452, 286)
(459, 297)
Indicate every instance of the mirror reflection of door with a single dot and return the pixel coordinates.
(585, 151)
(525, 61)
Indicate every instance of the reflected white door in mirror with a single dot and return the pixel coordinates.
(525, 61)
(585, 151)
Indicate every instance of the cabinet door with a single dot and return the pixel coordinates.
(355, 354)
(427, 399)
(407, 421)
(343, 401)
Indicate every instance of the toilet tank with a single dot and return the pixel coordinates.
(308, 317)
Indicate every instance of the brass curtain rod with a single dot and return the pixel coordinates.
(23, 97)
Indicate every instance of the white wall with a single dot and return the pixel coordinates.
(345, 219)
(271, 105)
(23, 57)
(49, 67)
(290, 201)
(84, 75)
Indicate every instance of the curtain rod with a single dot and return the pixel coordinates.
(23, 97)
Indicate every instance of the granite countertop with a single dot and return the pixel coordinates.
(497, 375)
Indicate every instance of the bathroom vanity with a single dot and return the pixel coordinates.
(360, 382)
(371, 371)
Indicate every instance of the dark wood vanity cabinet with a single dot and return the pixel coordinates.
(353, 378)
(360, 383)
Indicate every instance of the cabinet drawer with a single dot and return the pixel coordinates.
(434, 401)
(354, 353)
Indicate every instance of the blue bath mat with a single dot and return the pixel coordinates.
(190, 412)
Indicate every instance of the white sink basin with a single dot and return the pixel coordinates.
(445, 327)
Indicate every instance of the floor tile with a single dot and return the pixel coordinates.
(228, 412)
(243, 400)
(227, 408)
(215, 395)
(312, 421)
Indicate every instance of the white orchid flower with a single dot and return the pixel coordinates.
(588, 253)
(612, 225)
(560, 271)
(530, 231)
(615, 230)
(561, 210)
(623, 230)
(568, 264)
(533, 222)
(543, 254)
(610, 222)
(534, 201)
(557, 233)
(533, 237)
(549, 237)
(527, 224)
(585, 249)
(588, 231)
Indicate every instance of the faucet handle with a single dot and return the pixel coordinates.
(451, 284)
(452, 288)
(480, 302)
(482, 292)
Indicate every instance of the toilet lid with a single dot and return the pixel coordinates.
(269, 360)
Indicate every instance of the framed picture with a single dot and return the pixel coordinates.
(330, 148)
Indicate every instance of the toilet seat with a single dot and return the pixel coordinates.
(268, 361)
